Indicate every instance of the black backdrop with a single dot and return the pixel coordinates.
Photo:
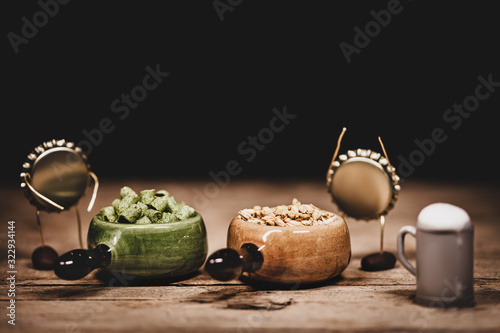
(231, 63)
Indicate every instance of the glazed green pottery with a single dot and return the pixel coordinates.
(152, 250)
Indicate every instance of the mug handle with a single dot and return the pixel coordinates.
(401, 247)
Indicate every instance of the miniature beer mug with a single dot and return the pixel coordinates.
(444, 259)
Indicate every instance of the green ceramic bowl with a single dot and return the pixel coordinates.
(152, 250)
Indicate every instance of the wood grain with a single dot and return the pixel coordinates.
(356, 301)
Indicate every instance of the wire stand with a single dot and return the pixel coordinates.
(382, 260)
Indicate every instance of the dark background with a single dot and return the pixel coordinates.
(227, 76)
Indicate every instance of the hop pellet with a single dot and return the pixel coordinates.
(149, 206)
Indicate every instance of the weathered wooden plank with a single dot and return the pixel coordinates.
(357, 301)
(336, 308)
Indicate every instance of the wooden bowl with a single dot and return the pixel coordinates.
(298, 254)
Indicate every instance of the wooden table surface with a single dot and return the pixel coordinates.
(357, 301)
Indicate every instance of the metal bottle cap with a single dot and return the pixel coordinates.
(362, 183)
(55, 176)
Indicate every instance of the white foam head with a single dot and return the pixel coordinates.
(443, 216)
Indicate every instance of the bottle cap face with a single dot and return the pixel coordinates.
(363, 184)
(443, 217)
(56, 170)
